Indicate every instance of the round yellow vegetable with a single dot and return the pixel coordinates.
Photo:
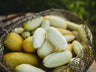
(14, 42)
(17, 58)
(28, 45)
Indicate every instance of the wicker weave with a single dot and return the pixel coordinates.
(82, 61)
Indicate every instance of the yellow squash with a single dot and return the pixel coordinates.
(17, 58)
(14, 42)
(28, 45)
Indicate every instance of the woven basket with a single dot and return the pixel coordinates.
(82, 61)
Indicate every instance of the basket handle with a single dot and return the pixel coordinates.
(4, 25)
(2, 28)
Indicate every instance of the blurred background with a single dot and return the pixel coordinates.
(85, 9)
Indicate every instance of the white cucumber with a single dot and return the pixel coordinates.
(45, 25)
(18, 30)
(33, 24)
(56, 38)
(69, 38)
(72, 26)
(25, 34)
(57, 59)
(56, 21)
(77, 47)
(27, 68)
(64, 31)
(82, 34)
(38, 37)
(45, 49)
(76, 34)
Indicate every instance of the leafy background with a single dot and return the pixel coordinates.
(85, 9)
